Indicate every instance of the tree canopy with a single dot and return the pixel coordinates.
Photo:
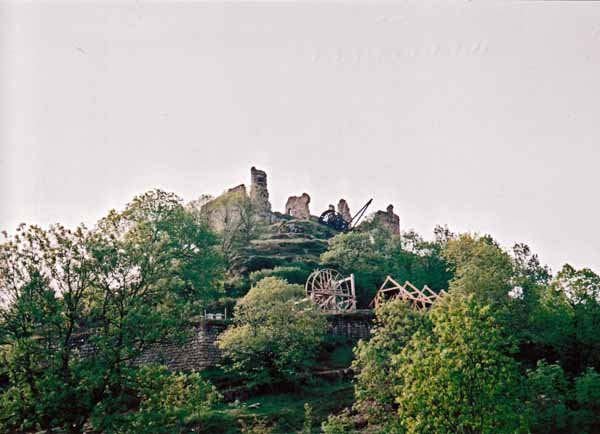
(130, 282)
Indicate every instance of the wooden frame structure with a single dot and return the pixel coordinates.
(417, 298)
(332, 292)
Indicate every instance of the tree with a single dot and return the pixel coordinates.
(529, 280)
(581, 289)
(376, 359)
(130, 283)
(461, 378)
(480, 267)
(567, 319)
(587, 395)
(276, 333)
(424, 260)
(548, 393)
(44, 278)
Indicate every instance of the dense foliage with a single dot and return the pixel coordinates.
(479, 361)
(80, 306)
(276, 333)
(373, 255)
(460, 376)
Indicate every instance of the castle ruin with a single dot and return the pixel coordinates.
(388, 220)
(259, 193)
(225, 211)
(344, 210)
(297, 206)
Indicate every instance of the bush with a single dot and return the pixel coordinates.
(293, 274)
(339, 424)
(276, 333)
(168, 403)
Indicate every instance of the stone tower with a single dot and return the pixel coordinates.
(388, 220)
(259, 194)
(344, 210)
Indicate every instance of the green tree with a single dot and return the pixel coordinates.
(460, 378)
(120, 289)
(529, 281)
(44, 279)
(567, 319)
(480, 267)
(376, 359)
(276, 333)
(581, 289)
(548, 394)
(587, 395)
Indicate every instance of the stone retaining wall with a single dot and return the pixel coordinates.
(355, 325)
(198, 353)
(201, 352)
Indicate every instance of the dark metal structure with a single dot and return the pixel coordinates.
(334, 219)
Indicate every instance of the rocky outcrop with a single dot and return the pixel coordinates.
(297, 206)
(388, 220)
(224, 212)
(344, 210)
(259, 193)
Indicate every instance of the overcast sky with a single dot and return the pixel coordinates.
(485, 117)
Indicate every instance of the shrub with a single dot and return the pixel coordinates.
(339, 424)
(293, 274)
(169, 403)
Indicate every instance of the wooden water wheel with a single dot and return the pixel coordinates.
(331, 291)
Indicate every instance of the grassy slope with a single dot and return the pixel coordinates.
(285, 411)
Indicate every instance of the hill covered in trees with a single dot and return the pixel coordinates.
(511, 348)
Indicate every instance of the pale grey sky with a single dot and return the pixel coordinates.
(483, 116)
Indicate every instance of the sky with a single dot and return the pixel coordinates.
(482, 116)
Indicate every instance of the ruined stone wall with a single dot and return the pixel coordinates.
(223, 212)
(344, 210)
(388, 220)
(198, 353)
(259, 192)
(297, 206)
